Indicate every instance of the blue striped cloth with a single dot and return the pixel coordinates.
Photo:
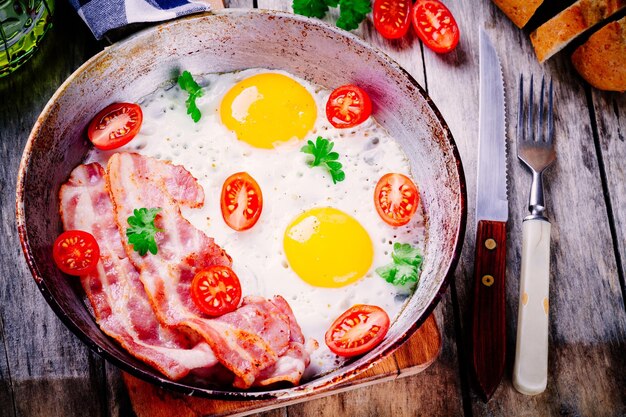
(103, 15)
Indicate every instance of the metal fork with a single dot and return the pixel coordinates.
(535, 145)
(535, 148)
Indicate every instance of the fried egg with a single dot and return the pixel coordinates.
(268, 108)
(316, 243)
(328, 248)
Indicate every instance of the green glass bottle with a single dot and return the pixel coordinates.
(23, 24)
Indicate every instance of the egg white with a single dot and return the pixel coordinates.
(289, 186)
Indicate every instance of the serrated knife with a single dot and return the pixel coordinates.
(492, 212)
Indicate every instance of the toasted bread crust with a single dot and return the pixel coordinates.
(602, 59)
(557, 32)
(519, 11)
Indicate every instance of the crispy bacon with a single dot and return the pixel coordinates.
(255, 342)
(114, 290)
(260, 316)
(288, 368)
(294, 329)
(291, 364)
(134, 182)
(144, 302)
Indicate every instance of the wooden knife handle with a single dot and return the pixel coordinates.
(489, 326)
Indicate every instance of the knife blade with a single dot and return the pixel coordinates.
(488, 318)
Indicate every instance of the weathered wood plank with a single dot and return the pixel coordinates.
(248, 4)
(51, 371)
(610, 116)
(7, 408)
(118, 401)
(587, 366)
(452, 83)
(54, 374)
(586, 371)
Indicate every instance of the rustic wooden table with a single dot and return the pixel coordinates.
(46, 371)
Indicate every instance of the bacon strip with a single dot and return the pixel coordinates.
(294, 329)
(288, 368)
(114, 290)
(291, 365)
(246, 341)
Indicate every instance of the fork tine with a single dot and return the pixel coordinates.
(540, 128)
(550, 116)
(536, 150)
(520, 110)
(529, 129)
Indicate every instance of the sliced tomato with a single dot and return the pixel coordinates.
(76, 252)
(358, 330)
(348, 106)
(216, 290)
(115, 125)
(392, 18)
(396, 199)
(435, 25)
(241, 201)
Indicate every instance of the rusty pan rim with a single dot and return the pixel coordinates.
(317, 386)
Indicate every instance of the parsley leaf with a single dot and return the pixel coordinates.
(188, 84)
(322, 151)
(142, 231)
(406, 254)
(397, 274)
(352, 13)
(406, 265)
(313, 8)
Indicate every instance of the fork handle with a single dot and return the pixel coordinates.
(530, 372)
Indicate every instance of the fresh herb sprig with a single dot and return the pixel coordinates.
(142, 231)
(406, 265)
(188, 84)
(351, 12)
(313, 8)
(323, 155)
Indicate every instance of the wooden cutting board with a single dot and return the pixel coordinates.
(413, 357)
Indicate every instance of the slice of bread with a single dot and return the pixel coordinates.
(602, 59)
(519, 11)
(557, 32)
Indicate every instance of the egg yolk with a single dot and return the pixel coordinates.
(266, 109)
(328, 248)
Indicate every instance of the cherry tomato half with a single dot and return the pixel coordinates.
(216, 290)
(396, 198)
(115, 125)
(348, 106)
(392, 18)
(358, 330)
(241, 201)
(435, 25)
(76, 252)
